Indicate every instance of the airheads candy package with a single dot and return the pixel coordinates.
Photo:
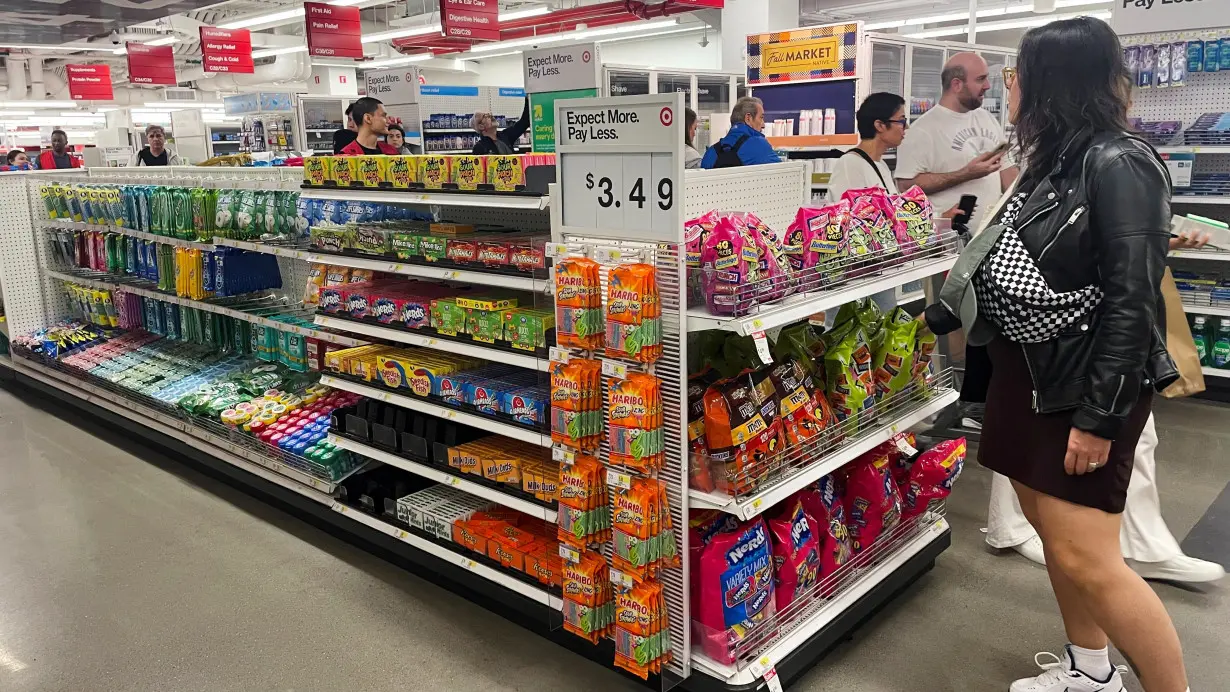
(932, 476)
(735, 589)
(796, 553)
(730, 261)
(873, 501)
(873, 221)
(914, 213)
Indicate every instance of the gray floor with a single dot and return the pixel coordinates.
(121, 574)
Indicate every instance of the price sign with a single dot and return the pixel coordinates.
(620, 164)
(1180, 166)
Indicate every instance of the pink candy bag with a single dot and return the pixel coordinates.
(932, 475)
(915, 219)
(816, 236)
(824, 504)
(796, 552)
(694, 234)
(873, 501)
(873, 221)
(730, 260)
(732, 589)
(776, 281)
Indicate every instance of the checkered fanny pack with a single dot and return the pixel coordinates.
(1014, 295)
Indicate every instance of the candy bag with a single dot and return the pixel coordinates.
(796, 553)
(824, 503)
(816, 238)
(914, 215)
(893, 358)
(850, 386)
(734, 589)
(932, 476)
(775, 273)
(742, 430)
(873, 501)
(730, 261)
(794, 389)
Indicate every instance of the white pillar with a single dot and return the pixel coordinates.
(743, 17)
(38, 88)
(17, 79)
(972, 37)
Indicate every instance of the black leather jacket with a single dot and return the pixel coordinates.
(1102, 215)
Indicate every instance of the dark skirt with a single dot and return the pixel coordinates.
(1030, 447)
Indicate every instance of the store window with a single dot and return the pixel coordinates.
(669, 83)
(624, 83)
(713, 94)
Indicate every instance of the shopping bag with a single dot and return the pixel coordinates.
(1180, 344)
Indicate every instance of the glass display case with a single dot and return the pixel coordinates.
(321, 117)
(925, 85)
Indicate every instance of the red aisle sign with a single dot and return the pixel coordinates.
(712, 4)
(89, 82)
(478, 20)
(226, 50)
(332, 31)
(151, 64)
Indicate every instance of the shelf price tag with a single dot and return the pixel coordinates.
(905, 447)
(563, 455)
(620, 165)
(611, 368)
(771, 680)
(622, 580)
(555, 249)
(569, 553)
(762, 347)
(560, 355)
(616, 479)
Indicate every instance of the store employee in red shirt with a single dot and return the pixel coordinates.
(373, 122)
(57, 156)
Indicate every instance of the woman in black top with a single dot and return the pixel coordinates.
(346, 135)
(1066, 285)
(504, 142)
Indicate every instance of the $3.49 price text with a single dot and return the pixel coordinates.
(608, 197)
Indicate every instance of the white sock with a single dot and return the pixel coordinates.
(1092, 662)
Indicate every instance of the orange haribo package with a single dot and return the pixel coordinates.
(589, 607)
(635, 520)
(578, 303)
(584, 515)
(576, 403)
(633, 313)
(634, 412)
(642, 631)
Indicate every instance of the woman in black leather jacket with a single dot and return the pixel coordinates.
(1065, 296)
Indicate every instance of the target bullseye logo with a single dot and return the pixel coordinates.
(585, 56)
(667, 116)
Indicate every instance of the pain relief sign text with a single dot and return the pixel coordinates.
(800, 56)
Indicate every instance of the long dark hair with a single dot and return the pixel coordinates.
(1073, 79)
(689, 117)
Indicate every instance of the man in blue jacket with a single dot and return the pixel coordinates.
(745, 144)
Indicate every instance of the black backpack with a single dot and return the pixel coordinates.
(728, 155)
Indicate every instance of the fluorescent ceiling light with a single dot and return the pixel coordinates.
(9, 114)
(270, 52)
(524, 14)
(185, 104)
(1011, 24)
(1019, 8)
(164, 41)
(393, 62)
(688, 30)
(574, 35)
(40, 104)
(402, 33)
(71, 48)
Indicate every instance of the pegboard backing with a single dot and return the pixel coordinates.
(774, 192)
(523, 219)
(1202, 92)
(19, 262)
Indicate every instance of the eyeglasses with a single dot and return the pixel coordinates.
(905, 124)
(1009, 77)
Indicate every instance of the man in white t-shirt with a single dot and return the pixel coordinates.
(957, 148)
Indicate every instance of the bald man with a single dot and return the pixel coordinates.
(954, 148)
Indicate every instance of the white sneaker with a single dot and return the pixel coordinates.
(1180, 568)
(1032, 550)
(971, 424)
(1061, 676)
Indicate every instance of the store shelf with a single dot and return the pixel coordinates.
(1199, 199)
(1211, 255)
(458, 559)
(447, 130)
(322, 130)
(1199, 305)
(248, 459)
(466, 486)
(521, 360)
(1193, 150)
(748, 676)
(1215, 372)
(101, 228)
(209, 307)
(796, 308)
(488, 423)
(752, 505)
(419, 271)
(444, 199)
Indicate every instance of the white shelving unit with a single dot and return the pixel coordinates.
(488, 423)
(1200, 199)
(453, 199)
(470, 487)
(1214, 372)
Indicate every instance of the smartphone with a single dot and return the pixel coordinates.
(1003, 148)
(961, 221)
